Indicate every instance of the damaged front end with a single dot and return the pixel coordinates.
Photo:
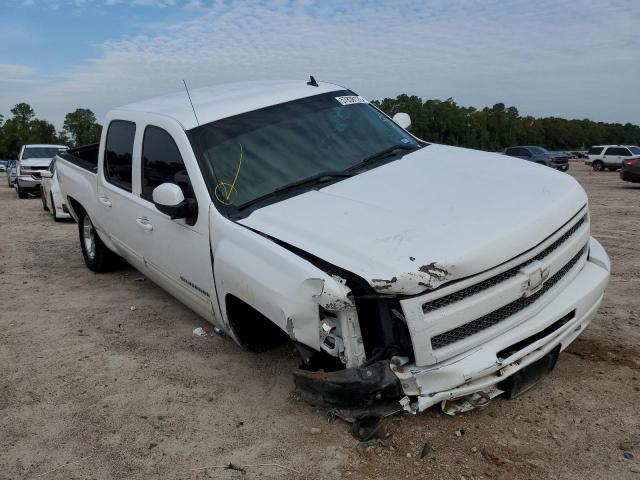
(359, 332)
(461, 346)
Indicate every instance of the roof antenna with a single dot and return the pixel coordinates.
(312, 81)
(192, 107)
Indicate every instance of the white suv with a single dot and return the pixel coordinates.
(610, 156)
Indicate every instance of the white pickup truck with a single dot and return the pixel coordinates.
(32, 160)
(297, 211)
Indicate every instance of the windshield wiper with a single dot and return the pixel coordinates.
(312, 180)
(387, 152)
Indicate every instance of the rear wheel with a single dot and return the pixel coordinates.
(598, 166)
(97, 256)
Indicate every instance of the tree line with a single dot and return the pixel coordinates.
(495, 128)
(79, 128)
(442, 121)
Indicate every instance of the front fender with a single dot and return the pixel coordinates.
(279, 284)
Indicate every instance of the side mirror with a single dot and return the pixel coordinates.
(402, 119)
(46, 174)
(169, 199)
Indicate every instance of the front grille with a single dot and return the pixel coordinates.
(497, 316)
(501, 277)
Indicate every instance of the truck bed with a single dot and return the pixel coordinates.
(77, 174)
(85, 157)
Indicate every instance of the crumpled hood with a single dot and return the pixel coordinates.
(436, 215)
(36, 162)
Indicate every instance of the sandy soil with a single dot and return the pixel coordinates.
(91, 388)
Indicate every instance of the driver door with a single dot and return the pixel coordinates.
(176, 253)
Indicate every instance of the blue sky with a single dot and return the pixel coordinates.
(573, 59)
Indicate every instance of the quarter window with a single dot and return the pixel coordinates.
(595, 150)
(118, 155)
(162, 163)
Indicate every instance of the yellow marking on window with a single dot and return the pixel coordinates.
(224, 197)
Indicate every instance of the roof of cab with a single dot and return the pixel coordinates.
(222, 101)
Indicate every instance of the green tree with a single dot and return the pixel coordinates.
(23, 128)
(82, 127)
(22, 113)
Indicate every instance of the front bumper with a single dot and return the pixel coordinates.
(481, 369)
(28, 183)
(562, 166)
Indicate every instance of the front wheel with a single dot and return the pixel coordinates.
(598, 166)
(20, 193)
(97, 256)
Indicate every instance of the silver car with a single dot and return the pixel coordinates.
(12, 173)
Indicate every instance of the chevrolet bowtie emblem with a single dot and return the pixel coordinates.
(535, 275)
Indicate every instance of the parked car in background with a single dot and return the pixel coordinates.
(31, 161)
(630, 171)
(610, 156)
(296, 211)
(538, 155)
(579, 153)
(3, 167)
(52, 199)
(11, 173)
(562, 155)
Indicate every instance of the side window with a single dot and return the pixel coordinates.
(625, 152)
(511, 152)
(523, 152)
(616, 151)
(118, 154)
(52, 166)
(595, 151)
(161, 163)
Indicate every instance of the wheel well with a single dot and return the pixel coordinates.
(254, 331)
(74, 207)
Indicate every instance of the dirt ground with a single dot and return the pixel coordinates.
(91, 387)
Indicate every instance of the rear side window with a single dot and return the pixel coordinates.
(118, 154)
(595, 151)
(619, 151)
(162, 163)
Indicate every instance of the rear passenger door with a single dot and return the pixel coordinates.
(176, 253)
(614, 156)
(115, 190)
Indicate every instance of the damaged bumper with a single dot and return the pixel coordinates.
(351, 387)
(485, 368)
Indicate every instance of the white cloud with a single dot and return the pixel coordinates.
(10, 73)
(545, 57)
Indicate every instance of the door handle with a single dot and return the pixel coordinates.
(144, 223)
(105, 201)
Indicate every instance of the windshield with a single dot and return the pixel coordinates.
(254, 154)
(40, 152)
(538, 150)
(635, 150)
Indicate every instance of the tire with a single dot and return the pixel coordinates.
(44, 201)
(597, 166)
(20, 193)
(97, 256)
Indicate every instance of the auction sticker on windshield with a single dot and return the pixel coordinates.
(351, 99)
